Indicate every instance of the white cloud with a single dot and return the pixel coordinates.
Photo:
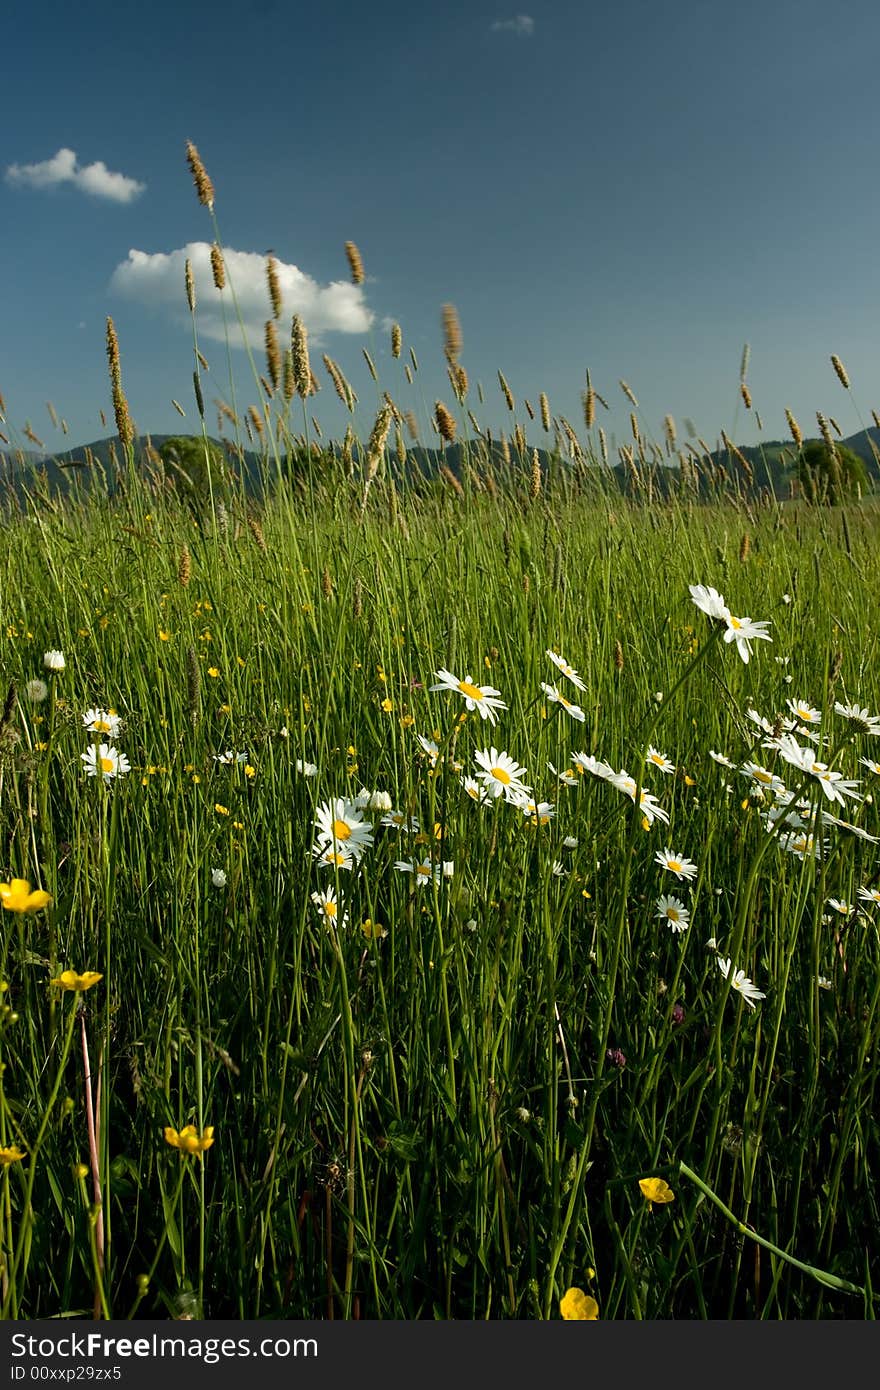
(157, 278)
(64, 167)
(521, 24)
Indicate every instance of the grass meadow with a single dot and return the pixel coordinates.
(327, 994)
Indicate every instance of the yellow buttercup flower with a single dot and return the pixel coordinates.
(577, 1306)
(13, 1154)
(188, 1140)
(656, 1190)
(16, 896)
(69, 979)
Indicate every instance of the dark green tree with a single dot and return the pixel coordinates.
(198, 467)
(830, 476)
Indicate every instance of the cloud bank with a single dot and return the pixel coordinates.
(157, 278)
(95, 179)
(521, 24)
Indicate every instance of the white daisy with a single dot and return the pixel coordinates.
(763, 724)
(676, 864)
(744, 631)
(802, 845)
(500, 775)
(740, 982)
(570, 842)
(840, 905)
(540, 812)
(106, 760)
(870, 895)
(834, 784)
(423, 871)
(709, 601)
(648, 803)
(306, 769)
(557, 698)
(476, 791)
(871, 766)
(585, 762)
(720, 758)
(566, 777)
(859, 720)
(102, 721)
(674, 912)
(429, 747)
(823, 982)
(218, 878)
(380, 801)
(228, 757)
(331, 910)
(399, 820)
(340, 824)
(848, 828)
(804, 712)
(762, 777)
(482, 698)
(54, 661)
(558, 869)
(332, 856)
(566, 670)
(659, 760)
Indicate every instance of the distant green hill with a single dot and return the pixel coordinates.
(771, 465)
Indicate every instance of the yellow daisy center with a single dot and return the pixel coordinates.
(341, 830)
(501, 776)
(330, 909)
(106, 764)
(101, 726)
(672, 913)
(735, 623)
(473, 692)
(423, 869)
(674, 865)
(760, 775)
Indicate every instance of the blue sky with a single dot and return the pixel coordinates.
(637, 187)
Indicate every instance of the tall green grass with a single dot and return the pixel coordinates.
(450, 1119)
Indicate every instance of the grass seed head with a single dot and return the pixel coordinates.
(204, 186)
(840, 370)
(218, 269)
(445, 423)
(184, 566)
(274, 286)
(355, 264)
(627, 391)
(302, 374)
(506, 392)
(452, 337)
(273, 354)
(795, 428)
(535, 483)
